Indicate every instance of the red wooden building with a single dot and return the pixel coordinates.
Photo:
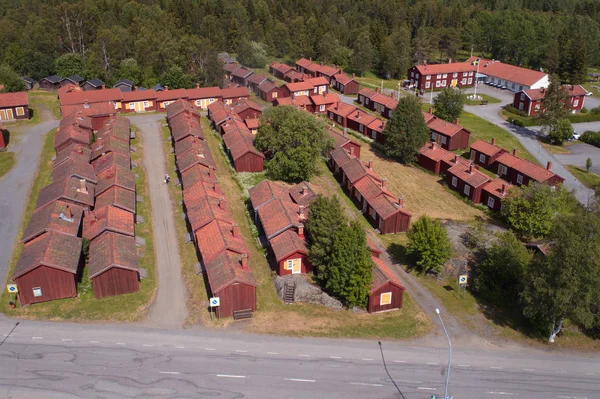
(59, 216)
(166, 97)
(430, 157)
(450, 136)
(386, 292)
(344, 141)
(75, 168)
(485, 154)
(278, 70)
(113, 265)
(345, 84)
(268, 91)
(320, 84)
(494, 193)
(290, 252)
(467, 180)
(328, 72)
(532, 101)
(234, 94)
(297, 89)
(239, 144)
(254, 81)
(520, 172)
(68, 135)
(108, 219)
(138, 101)
(440, 76)
(240, 76)
(48, 268)
(202, 97)
(117, 197)
(50, 82)
(72, 191)
(365, 95)
(14, 106)
(339, 112)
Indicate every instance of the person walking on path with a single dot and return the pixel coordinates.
(167, 178)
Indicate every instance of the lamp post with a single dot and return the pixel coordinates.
(449, 353)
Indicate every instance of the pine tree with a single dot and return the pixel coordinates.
(554, 105)
(406, 131)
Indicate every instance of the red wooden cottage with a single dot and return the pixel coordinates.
(303, 65)
(358, 121)
(297, 89)
(494, 193)
(166, 97)
(278, 70)
(254, 81)
(450, 136)
(113, 265)
(108, 219)
(14, 106)
(118, 128)
(345, 84)
(78, 119)
(293, 76)
(327, 72)
(76, 169)
(230, 68)
(365, 95)
(68, 135)
(531, 101)
(320, 85)
(320, 102)
(430, 157)
(48, 268)
(485, 154)
(59, 216)
(339, 112)
(382, 104)
(245, 157)
(240, 76)
(202, 97)
(117, 197)
(110, 144)
(138, 101)
(341, 140)
(375, 130)
(467, 180)
(520, 172)
(290, 252)
(185, 125)
(231, 95)
(110, 159)
(268, 91)
(72, 191)
(386, 292)
(246, 109)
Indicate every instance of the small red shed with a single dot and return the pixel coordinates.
(430, 157)
(14, 106)
(290, 252)
(387, 292)
(450, 136)
(494, 193)
(467, 180)
(345, 84)
(268, 91)
(484, 153)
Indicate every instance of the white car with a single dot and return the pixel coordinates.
(575, 136)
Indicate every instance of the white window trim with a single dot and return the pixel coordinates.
(482, 158)
(21, 111)
(490, 202)
(467, 189)
(388, 295)
(454, 181)
(519, 178)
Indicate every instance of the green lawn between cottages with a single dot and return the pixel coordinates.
(128, 307)
(589, 179)
(484, 97)
(7, 162)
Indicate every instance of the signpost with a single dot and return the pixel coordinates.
(12, 288)
(214, 302)
(462, 283)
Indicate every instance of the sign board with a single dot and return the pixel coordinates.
(37, 291)
(462, 279)
(12, 288)
(454, 82)
(214, 302)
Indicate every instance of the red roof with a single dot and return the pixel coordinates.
(117, 197)
(75, 168)
(318, 81)
(361, 117)
(243, 105)
(356, 170)
(369, 188)
(267, 86)
(59, 216)
(383, 275)
(452, 159)
(108, 218)
(383, 99)
(469, 175)
(118, 128)
(231, 67)
(196, 174)
(302, 194)
(433, 151)
(277, 216)
(73, 133)
(218, 236)
(303, 62)
(427, 116)
(235, 92)
(486, 148)
(328, 70)
(508, 159)
(341, 156)
(110, 144)
(343, 79)
(252, 123)
(283, 101)
(91, 110)
(385, 206)
(446, 128)
(455, 67)
(181, 106)
(539, 94)
(204, 92)
(227, 269)
(77, 118)
(286, 244)
(73, 152)
(495, 187)
(78, 191)
(283, 68)
(115, 176)
(170, 95)
(341, 108)
(91, 96)
(365, 92)
(52, 249)
(299, 86)
(8, 100)
(301, 101)
(532, 170)
(240, 144)
(266, 191)
(256, 79)
(201, 156)
(512, 73)
(324, 99)
(109, 159)
(186, 125)
(139, 95)
(241, 72)
(109, 251)
(377, 125)
(190, 143)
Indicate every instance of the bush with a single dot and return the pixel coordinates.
(592, 138)
(595, 110)
(429, 244)
(513, 110)
(584, 110)
(578, 118)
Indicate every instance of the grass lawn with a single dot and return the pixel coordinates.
(7, 161)
(372, 81)
(589, 179)
(127, 307)
(489, 99)
(46, 99)
(275, 317)
(556, 149)
(482, 129)
(196, 287)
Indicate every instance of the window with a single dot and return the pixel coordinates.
(417, 76)
(470, 73)
(463, 81)
(212, 100)
(537, 107)
(470, 81)
(575, 103)
(21, 111)
(519, 179)
(360, 127)
(274, 95)
(331, 116)
(443, 139)
(412, 74)
(358, 196)
(146, 104)
(316, 90)
(439, 76)
(427, 85)
(472, 155)
(522, 96)
(482, 158)
(434, 136)
(444, 76)
(437, 83)
(374, 134)
(322, 108)
(521, 106)
(339, 119)
(502, 170)
(198, 103)
(37, 291)
(131, 105)
(366, 101)
(428, 77)
(390, 114)
(454, 181)
(385, 298)
(373, 213)
(455, 75)
(289, 265)
(490, 202)
(443, 83)
(467, 189)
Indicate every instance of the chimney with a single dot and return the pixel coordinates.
(370, 164)
(244, 261)
(166, 88)
(197, 85)
(103, 87)
(76, 124)
(431, 110)
(353, 75)
(470, 168)
(456, 121)
(503, 189)
(432, 145)
(377, 89)
(515, 152)
(549, 166)
(301, 212)
(493, 141)
(310, 59)
(383, 181)
(303, 191)
(352, 150)
(67, 212)
(82, 188)
(300, 230)
(400, 202)
(235, 230)
(455, 158)
(221, 203)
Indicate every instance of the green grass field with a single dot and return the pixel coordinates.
(7, 162)
(128, 307)
(484, 97)
(589, 179)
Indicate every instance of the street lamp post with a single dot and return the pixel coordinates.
(449, 353)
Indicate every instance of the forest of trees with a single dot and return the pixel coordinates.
(153, 40)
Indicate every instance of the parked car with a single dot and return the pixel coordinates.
(575, 136)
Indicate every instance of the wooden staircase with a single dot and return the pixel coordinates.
(289, 289)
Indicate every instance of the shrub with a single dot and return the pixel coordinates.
(513, 110)
(584, 110)
(429, 244)
(595, 110)
(592, 138)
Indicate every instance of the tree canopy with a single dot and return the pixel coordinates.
(429, 244)
(293, 140)
(553, 103)
(406, 131)
(448, 104)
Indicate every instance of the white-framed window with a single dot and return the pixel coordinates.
(520, 179)
(337, 168)
(198, 103)
(443, 83)
(373, 213)
(502, 170)
(385, 298)
(575, 103)
(316, 90)
(521, 106)
(361, 127)
(331, 116)
(482, 158)
(428, 77)
(21, 111)
(470, 73)
(522, 96)
(427, 85)
(374, 134)
(444, 140)
(439, 76)
(434, 136)
(390, 114)
(467, 189)
(131, 105)
(37, 291)
(322, 108)
(463, 81)
(490, 202)
(470, 81)
(417, 76)
(366, 101)
(274, 95)
(454, 181)
(339, 119)
(146, 104)
(454, 75)
(412, 74)
(437, 83)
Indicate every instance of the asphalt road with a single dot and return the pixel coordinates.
(49, 360)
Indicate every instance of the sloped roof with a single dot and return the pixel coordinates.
(239, 144)
(139, 95)
(13, 99)
(283, 68)
(256, 79)
(218, 113)
(58, 216)
(378, 125)
(303, 62)
(80, 192)
(202, 209)
(204, 92)
(468, 174)
(356, 170)
(235, 92)
(325, 99)
(385, 206)
(361, 117)
(90, 96)
(286, 244)
(216, 237)
(196, 174)
(508, 159)
(433, 151)
(95, 82)
(539, 94)
(536, 172)
(318, 81)
(365, 92)
(77, 118)
(115, 176)
(112, 250)
(341, 156)
(108, 219)
(341, 108)
(486, 148)
(512, 73)
(74, 79)
(186, 126)
(299, 86)
(75, 151)
(340, 139)
(382, 275)
(93, 110)
(119, 128)
(190, 143)
(231, 67)
(226, 269)
(109, 159)
(342, 78)
(369, 188)
(266, 191)
(74, 168)
(328, 70)
(53, 78)
(385, 100)
(302, 193)
(267, 86)
(168, 95)
(73, 133)
(117, 197)
(202, 156)
(242, 105)
(110, 144)
(446, 128)
(277, 216)
(455, 67)
(124, 82)
(181, 106)
(52, 249)
(252, 123)
(495, 187)
(241, 73)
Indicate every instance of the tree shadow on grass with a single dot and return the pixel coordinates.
(6, 137)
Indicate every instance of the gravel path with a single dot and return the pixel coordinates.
(169, 307)
(15, 185)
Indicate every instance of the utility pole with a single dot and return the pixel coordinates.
(449, 354)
